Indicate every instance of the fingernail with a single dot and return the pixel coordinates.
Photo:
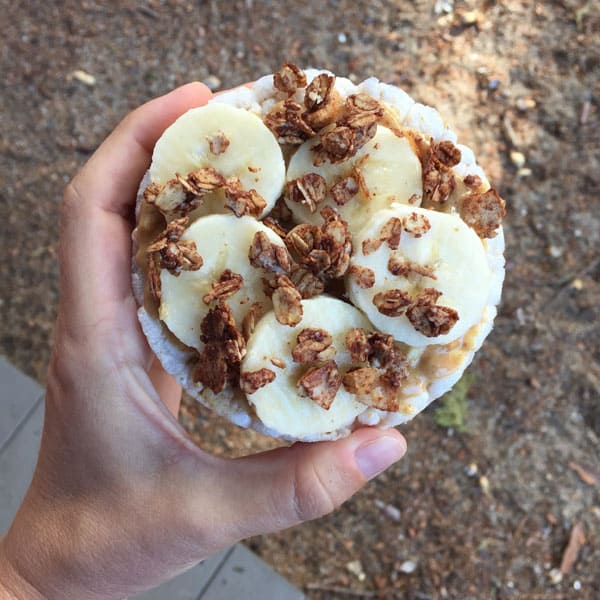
(377, 455)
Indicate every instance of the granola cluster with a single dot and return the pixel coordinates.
(422, 311)
(323, 251)
(382, 367)
(224, 348)
(181, 195)
(414, 224)
(170, 252)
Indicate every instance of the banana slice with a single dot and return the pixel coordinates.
(280, 404)
(387, 165)
(223, 242)
(231, 140)
(420, 275)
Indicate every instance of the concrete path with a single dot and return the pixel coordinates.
(232, 574)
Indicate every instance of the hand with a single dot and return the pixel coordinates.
(121, 499)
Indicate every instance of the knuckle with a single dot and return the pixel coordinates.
(71, 196)
(311, 496)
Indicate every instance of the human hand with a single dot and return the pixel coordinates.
(121, 499)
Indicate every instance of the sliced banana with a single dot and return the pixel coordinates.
(223, 242)
(242, 147)
(442, 253)
(279, 404)
(388, 166)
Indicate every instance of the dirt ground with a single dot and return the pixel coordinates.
(484, 513)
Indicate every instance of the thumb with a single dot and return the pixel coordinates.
(274, 490)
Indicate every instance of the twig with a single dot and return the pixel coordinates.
(341, 590)
(148, 12)
(585, 112)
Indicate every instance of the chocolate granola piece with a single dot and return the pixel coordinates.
(174, 254)
(416, 224)
(357, 342)
(402, 267)
(360, 381)
(371, 245)
(363, 276)
(287, 122)
(249, 322)
(228, 284)
(302, 239)
(224, 348)
(251, 381)
(154, 283)
(473, 182)
(243, 202)
(325, 250)
(205, 180)
(313, 345)
(321, 383)
(287, 302)
(323, 103)
(338, 145)
(211, 369)
(151, 192)
(427, 317)
(275, 225)
(289, 78)
(432, 320)
(438, 179)
(447, 153)
(344, 190)
(392, 303)
(310, 190)
(218, 143)
(308, 284)
(391, 231)
(364, 103)
(263, 254)
(319, 91)
(483, 212)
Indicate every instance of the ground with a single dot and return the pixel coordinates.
(482, 513)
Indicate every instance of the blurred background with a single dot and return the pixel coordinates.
(498, 495)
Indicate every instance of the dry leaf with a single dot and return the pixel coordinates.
(576, 540)
(584, 475)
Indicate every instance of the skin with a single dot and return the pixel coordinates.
(121, 499)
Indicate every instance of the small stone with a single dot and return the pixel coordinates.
(408, 566)
(577, 284)
(389, 510)
(555, 251)
(524, 172)
(342, 38)
(356, 568)
(493, 84)
(517, 159)
(471, 17)
(520, 314)
(212, 82)
(443, 7)
(85, 78)
(555, 576)
(524, 104)
(472, 470)
(484, 484)
(577, 585)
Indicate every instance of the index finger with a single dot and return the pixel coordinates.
(95, 227)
